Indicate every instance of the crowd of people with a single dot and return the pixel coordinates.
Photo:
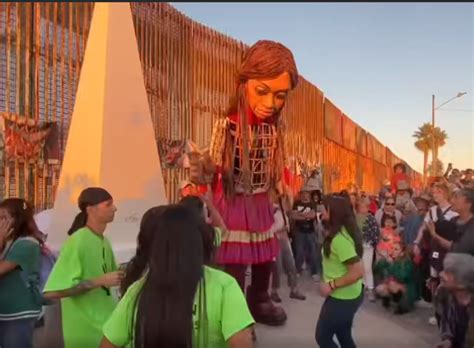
(418, 249)
(415, 248)
(397, 248)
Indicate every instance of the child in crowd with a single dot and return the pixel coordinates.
(398, 284)
(399, 175)
(388, 237)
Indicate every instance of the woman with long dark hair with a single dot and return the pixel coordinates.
(179, 302)
(20, 297)
(342, 274)
(211, 225)
(85, 271)
(138, 265)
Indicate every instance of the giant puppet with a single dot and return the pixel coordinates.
(245, 162)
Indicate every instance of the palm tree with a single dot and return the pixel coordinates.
(424, 146)
(439, 168)
(440, 140)
(423, 143)
(424, 136)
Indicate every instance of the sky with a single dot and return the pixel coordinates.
(378, 62)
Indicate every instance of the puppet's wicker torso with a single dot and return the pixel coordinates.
(262, 146)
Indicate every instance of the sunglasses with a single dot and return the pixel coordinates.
(389, 204)
(104, 268)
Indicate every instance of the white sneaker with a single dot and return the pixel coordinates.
(433, 321)
(316, 278)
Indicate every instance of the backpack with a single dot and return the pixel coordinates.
(47, 261)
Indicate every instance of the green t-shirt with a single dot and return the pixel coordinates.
(84, 256)
(227, 312)
(20, 297)
(342, 250)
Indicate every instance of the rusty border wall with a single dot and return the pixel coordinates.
(189, 76)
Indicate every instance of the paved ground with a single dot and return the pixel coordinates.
(374, 327)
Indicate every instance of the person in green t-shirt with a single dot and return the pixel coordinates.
(179, 302)
(342, 273)
(20, 297)
(85, 271)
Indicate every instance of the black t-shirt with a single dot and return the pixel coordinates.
(446, 229)
(306, 226)
(465, 242)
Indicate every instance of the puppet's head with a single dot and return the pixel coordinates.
(267, 73)
(265, 77)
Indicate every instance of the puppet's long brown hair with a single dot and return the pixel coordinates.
(264, 60)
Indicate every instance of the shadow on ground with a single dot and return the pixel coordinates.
(374, 327)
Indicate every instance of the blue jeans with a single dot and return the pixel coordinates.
(17, 333)
(305, 245)
(335, 319)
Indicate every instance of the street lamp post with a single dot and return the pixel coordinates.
(433, 140)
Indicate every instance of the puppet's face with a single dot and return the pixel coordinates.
(267, 97)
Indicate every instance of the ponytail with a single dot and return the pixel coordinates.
(79, 222)
(89, 197)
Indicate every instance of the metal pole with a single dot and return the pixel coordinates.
(433, 142)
